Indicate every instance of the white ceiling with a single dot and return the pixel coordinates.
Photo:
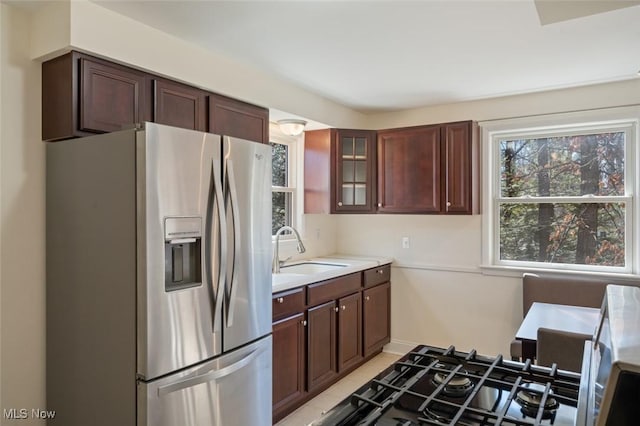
(390, 55)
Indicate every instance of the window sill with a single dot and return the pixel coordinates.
(516, 272)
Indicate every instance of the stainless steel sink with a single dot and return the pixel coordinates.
(306, 268)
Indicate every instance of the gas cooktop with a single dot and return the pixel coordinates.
(435, 386)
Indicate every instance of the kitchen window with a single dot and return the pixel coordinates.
(284, 200)
(562, 193)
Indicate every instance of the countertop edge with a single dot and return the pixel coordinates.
(356, 264)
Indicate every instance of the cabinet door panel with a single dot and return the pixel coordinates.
(179, 105)
(409, 170)
(377, 317)
(353, 172)
(349, 331)
(288, 361)
(458, 168)
(238, 119)
(110, 97)
(321, 344)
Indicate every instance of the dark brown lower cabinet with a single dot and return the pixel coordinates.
(349, 331)
(324, 330)
(289, 359)
(321, 345)
(376, 317)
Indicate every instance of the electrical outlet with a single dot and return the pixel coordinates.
(405, 242)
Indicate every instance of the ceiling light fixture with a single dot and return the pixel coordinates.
(291, 126)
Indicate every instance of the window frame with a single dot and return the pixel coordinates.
(625, 119)
(292, 142)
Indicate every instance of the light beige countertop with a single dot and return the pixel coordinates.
(337, 265)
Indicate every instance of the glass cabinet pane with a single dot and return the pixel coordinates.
(361, 171)
(347, 147)
(360, 195)
(347, 195)
(347, 171)
(361, 147)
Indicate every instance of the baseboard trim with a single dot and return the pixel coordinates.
(399, 347)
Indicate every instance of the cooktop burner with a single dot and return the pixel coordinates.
(455, 385)
(434, 386)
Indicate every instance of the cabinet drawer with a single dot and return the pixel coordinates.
(333, 289)
(287, 303)
(376, 276)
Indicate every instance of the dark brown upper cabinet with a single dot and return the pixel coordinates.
(179, 105)
(353, 171)
(82, 95)
(460, 194)
(340, 171)
(231, 117)
(409, 170)
(428, 169)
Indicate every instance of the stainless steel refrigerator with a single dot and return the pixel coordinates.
(158, 279)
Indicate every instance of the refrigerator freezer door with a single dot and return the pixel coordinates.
(232, 390)
(247, 187)
(178, 226)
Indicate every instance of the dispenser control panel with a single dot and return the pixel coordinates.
(182, 252)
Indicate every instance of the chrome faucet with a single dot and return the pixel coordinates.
(275, 268)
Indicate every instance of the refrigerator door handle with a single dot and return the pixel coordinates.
(211, 376)
(216, 197)
(232, 200)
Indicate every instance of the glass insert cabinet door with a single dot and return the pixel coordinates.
(355, 162)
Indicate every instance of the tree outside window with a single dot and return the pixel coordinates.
(281, 197)
(562, 196)
(558, 199)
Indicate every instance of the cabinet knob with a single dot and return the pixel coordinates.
(304, 323)
(380, 271)
(280, 300)
(339, 203)
(367, 297)
(379, 204)
(344, 308)
(336, 309)
(448, 203)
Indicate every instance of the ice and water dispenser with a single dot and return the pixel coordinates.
(182, 248)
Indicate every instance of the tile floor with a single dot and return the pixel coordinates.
(340, 390)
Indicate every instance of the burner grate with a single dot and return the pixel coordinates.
(495, 373)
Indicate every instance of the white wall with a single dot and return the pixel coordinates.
(439, 295)
(22, 265)
(620, 93)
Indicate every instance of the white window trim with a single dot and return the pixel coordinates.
(294, 178)
(493, 130)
